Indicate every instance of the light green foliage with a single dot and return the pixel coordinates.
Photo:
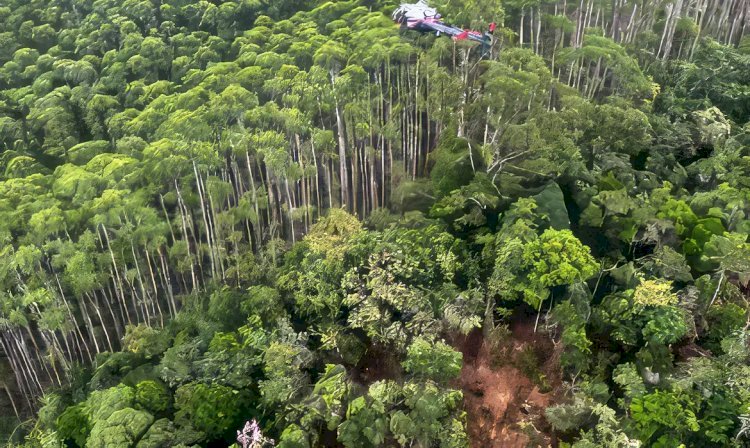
(649, 314)
(160, 433)
(462, 311)
(577, 355)
(654, 293)
(314, 282)
(152, 396)
(554, 258)
(101, 404)
(293, 437)
(375, 310)
(730, 252)
(665, 326)
(144, 339)
(387, 272)
(282, 364)
(52, 406)
(331, 391)
(73, 424)
(264, 302)
(426, 255)
(627, 377)
(329, 235)
(557, 258)
(417, 413)
(424, 422)
(366, 423)
(434, 361)
(608, 432)
(233, 358)
(569, 416)
(660, 411)
(122, 428)
(622, 129)
(214, 409)
(671, 265)
(469, 206)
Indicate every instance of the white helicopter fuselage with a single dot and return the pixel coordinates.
(410, 12)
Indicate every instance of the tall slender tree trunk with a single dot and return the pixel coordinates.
(185, 236)
(204, 215)
(254, 191)
(10, 398)
(23, 378)
(82, 345)
(102, 322)
(318, 204)
(341, 133)
(118, 285)
(167, 280)
(38, 352)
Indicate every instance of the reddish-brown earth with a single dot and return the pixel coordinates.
(504, 407)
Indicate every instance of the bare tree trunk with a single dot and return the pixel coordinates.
(574, 37)
(23, 378)
(204, 215)
(317, 177)
(166, 216)
(102, 322)
(118, 279)
(38, 353)
(291, 207)
(538, 29)
(115, 321)
(140, 280)
(253, 190)
(670, 29)
(12, 401)
(183, 213)
(26, 361)
(167, 280)
(341, 132)
(330, 170)
(218, 243)
(90, 324)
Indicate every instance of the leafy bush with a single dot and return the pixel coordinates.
(152, 396)
(74, 424)
(434, 361)
(213, 409)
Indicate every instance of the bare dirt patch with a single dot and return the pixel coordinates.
(377, 364)
(504, 406)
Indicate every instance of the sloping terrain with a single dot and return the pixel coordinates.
(504, 405)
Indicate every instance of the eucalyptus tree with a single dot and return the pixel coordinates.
(330, 57)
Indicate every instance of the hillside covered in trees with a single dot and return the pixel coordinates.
(290, 223)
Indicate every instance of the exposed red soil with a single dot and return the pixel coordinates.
(504, 407)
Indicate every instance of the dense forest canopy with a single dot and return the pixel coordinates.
(291, 223)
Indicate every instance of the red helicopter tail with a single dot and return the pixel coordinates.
(462, 36)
